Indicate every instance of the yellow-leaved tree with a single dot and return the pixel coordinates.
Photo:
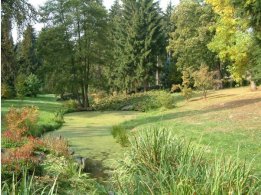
(232, 40)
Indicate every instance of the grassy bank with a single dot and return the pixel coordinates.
(227, 121)
(159, 162)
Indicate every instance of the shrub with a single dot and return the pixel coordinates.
(160, 163)
(138, 102)
(121, 135)
(98, 96)
(20, 148)
(59, 116)
(186, 92)
(204, 79)
(185, 88)
(164, 99)
(20, 86)
(70, 105)
(175, 88)
(6, 91)
(20, 122)
(32, 84)
(19, 157)
(56, 146)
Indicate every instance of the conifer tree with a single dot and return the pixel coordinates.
(114, 70)
(142, 24)
(27, 59)
(8, 63)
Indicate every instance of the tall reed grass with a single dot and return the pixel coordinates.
(160, 163)
(26, 186)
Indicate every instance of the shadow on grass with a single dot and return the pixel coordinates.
(170, 116)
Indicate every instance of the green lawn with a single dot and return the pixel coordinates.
(47, 105)
(227, 121)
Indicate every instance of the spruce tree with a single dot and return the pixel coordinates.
(8, 63)
(28, 62)
(114, 70)
(142, 24)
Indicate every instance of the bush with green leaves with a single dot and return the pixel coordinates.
(33, 85)
(204, 79)
(27, 85)
(185, 87)
(7, 92)
(161, 163)
(70, 106)
(121, 135)
(59, 116)
(20, 86)
(138, 102)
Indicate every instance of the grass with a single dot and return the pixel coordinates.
(159, 162)
(227, 121)
(26, 186)
(47, 105)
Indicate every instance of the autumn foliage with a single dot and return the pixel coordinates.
(19, 145)
(19, 122)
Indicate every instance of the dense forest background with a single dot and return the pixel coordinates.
(133, 47)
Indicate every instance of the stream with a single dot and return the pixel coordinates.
(89, 136)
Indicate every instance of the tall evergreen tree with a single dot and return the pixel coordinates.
(27, 59)
(114, 69)
(142, 24)
(8, 63)
(170, 74)
(19, 13)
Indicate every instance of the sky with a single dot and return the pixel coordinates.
(107, 3)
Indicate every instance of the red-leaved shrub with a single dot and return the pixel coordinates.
(19, 146)
(19, 122)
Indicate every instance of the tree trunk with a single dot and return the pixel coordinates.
(219, 83)
(83, 95)
(157, 72)
(252, 82)
(253, 85)
(205, 93)
(145, 85)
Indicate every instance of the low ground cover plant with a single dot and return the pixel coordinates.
(137, 102)
(160, 163)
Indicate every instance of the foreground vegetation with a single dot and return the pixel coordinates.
(31, 165)
(226, 122)
(158, 162)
